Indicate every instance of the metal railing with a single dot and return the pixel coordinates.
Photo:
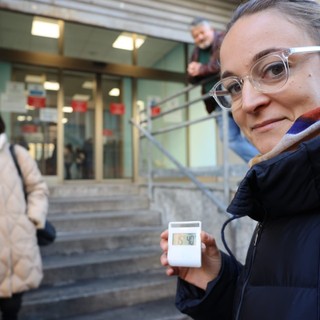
(144, 125)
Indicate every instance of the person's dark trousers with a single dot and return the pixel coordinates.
(10, 307)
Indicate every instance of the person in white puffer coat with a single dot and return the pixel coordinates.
(20, 259)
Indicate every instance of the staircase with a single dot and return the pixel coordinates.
(105, 261)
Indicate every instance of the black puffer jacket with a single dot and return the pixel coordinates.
(281, 276)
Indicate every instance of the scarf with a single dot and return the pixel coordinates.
(304, 128)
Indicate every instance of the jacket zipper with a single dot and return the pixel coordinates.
(254, 244)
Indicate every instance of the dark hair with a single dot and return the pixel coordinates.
(304, 13)
(2, 125)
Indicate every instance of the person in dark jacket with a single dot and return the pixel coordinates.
(204, 66)
(270, 62)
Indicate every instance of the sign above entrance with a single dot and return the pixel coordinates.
(36, 96)
(117, 108)
(37, 102)
(79, 105)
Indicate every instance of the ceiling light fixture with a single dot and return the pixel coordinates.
(28, 107)
(32, 78)
(81, 97)
(51, 85)
(125, 41)
(67, 109)
(43, 27)
(21, 118)
(88, 85)
(115, 92)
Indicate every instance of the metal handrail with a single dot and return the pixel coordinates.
(183, 106)
(185, 124)
(183, 169)
(149, 134)
(185, 90)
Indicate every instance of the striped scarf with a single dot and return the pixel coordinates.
(304, 128)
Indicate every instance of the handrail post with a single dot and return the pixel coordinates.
(149, 156)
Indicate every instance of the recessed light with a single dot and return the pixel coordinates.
(125, 41)
(32, 78)
(115, 92)
(88, 85)
(81, 97)
(51, 85)
(43, 27)
(67, 109)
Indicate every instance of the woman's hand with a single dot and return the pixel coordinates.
(211, 262)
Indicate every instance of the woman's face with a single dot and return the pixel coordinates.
(265, 117)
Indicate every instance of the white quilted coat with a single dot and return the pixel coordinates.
(20, 260)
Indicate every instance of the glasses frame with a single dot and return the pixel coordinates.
(283, 54)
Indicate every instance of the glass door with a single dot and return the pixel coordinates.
(30, 113)
(117, 138)
(79, 125)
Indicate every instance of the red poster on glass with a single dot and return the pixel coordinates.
(155, 111)
(37, 101)
(117, 108)
(79, 105)
(107, 132)
(29, 128)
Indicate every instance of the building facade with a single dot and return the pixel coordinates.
(69, 98)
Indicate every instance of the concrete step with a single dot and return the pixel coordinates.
(68, 243)
(83, 189)
(162, 309)
(105, 260)
(94, 221)
(97, 203)
(74, 268)
(100, 294)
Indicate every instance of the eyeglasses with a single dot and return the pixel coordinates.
(268, 74)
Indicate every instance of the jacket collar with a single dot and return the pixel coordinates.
(286, 181)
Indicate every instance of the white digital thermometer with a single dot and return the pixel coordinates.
(184, 244)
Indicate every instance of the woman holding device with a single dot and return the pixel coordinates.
(272, 86)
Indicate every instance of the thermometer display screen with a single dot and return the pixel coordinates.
(184, 239)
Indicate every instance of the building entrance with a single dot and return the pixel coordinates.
(74, 124)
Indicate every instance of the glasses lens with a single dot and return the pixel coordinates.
(269, 73)
(227, 91)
